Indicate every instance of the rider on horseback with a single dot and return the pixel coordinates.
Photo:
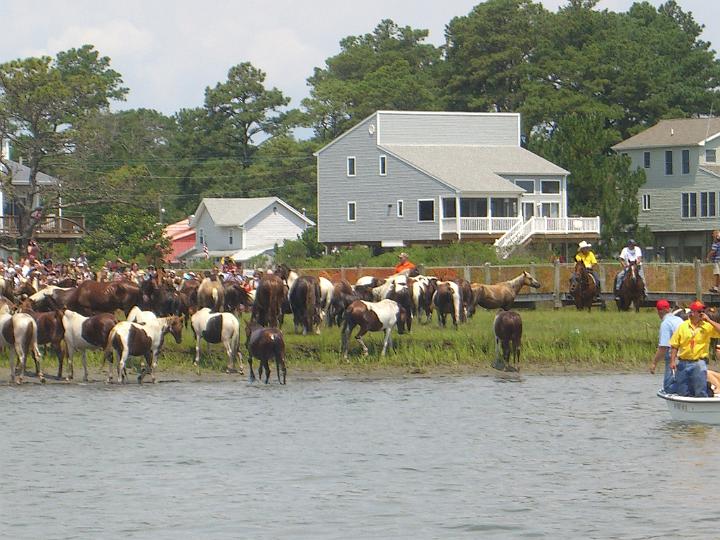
(587, 257)
(630, 253)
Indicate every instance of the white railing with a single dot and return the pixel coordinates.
(479, 225)
(520, 234)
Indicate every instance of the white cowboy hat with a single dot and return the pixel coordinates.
(584, 244)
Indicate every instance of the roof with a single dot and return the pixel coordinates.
(677, 132)
(21, 174)
(178, 230)
(226, 212)
(476, 168)
(245, 254)
(712, 169)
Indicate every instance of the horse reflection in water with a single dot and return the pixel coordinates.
(508, 335)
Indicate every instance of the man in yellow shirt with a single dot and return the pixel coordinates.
(689, 351)
(587, 257)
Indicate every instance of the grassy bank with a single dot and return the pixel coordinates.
(553, 341)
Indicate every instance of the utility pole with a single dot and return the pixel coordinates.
(161, 210)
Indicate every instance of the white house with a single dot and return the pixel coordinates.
(243, 228)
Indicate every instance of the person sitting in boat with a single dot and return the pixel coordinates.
(668, 326)
(587, 257)
(630, 253)
(689, 351)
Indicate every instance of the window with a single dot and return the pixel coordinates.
(351, 211)
(449, 208)
(503, 207)
(710, 155)
(686, 161)
(426, 210)
(646, 201)
(382, 166)
(400, 209)
(230, 237)
(201, 237)
(473, 207)
(668, 162)
(707, 204)
(689, 205)
(550, 186)
(646, 160)
(527, 185)
(551, 210)
(351, 166)
(528, 210)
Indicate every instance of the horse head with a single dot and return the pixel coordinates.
(174, 327)
(530, 281)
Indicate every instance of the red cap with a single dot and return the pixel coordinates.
(662, 304)
(697, 305)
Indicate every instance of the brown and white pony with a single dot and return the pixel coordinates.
(502, 295)
(448, 300)
(218, 328)
(372, 317)
(84, 334)
(19, 333)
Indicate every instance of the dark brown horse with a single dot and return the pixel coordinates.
(264, 344)
(93, 297)
(269, 297)
(508, 335)
(584, 289)
(632, 289)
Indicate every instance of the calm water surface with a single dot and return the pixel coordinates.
(476, 457)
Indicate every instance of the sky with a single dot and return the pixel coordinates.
(169, 51)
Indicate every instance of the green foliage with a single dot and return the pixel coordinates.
(128, 233)
(391, 68)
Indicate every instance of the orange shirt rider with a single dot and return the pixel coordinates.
(404, 265)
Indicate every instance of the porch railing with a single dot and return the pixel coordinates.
(49, 226)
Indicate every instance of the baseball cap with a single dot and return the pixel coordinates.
(697, 305)
(662, 304)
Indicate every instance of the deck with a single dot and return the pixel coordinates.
(51, 227)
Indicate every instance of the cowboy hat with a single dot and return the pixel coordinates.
(584, 244)
(403, 254)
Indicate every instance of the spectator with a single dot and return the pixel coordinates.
(668, 326)
(404, 266)
(714, 257)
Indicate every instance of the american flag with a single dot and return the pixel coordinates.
(205, 251)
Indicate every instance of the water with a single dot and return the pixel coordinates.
(474, 457)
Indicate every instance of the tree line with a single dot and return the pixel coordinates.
(582, 78)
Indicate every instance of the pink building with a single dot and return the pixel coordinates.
(182, 239)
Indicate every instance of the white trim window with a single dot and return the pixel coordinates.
(646, 201)
(426, 210)
(351, 211)
(527, 185)
(382, 166)
(688, 205)
(646, 160)
(230, 237)
(550, 186)
(668, 162)
(351, 166)
(710, 156)
(707, 204)
(400, 209)
(201, 236)
(685, 162)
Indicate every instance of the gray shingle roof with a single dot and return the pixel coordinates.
(21, 175)
(476, 168)
(677, 132)
(235, 212)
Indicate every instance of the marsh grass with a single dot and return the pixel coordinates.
(564, 340)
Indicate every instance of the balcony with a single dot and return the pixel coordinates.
(539, 225)
(51, 227)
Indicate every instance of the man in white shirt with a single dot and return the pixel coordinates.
(630, 253)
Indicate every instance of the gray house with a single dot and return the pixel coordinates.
(402, 177)
(243, 228)
(679, 201)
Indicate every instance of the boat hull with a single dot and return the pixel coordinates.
(691, 409)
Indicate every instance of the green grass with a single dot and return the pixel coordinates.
(552, 341)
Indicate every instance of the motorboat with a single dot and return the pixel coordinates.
(705, 410)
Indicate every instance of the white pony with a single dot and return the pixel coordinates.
(218, 328)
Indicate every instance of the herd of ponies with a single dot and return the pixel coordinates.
(82, 318)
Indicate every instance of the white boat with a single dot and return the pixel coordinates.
(692, 409)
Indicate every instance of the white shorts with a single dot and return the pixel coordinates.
(716, 268)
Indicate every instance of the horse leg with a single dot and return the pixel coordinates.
(11, 357)
(280, 367)
(231, 356)
(386, 341)
(496, 363)
(38, 358)
(358, 337)
(197, 350)
(251, 377)
(121, 366)
(266, 365)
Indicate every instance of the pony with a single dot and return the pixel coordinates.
(448, 300)
(508, 334)
(19, 331)
(211, 294)
(269, 297)
(372, 317)
(502, 295)
(265, 343)
(632, 289)
(584, 289)
(217, 328)
(85, 333)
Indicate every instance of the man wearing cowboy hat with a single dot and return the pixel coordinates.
(630, 253)
(689, 351)
(404, 266)
(587, 257)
